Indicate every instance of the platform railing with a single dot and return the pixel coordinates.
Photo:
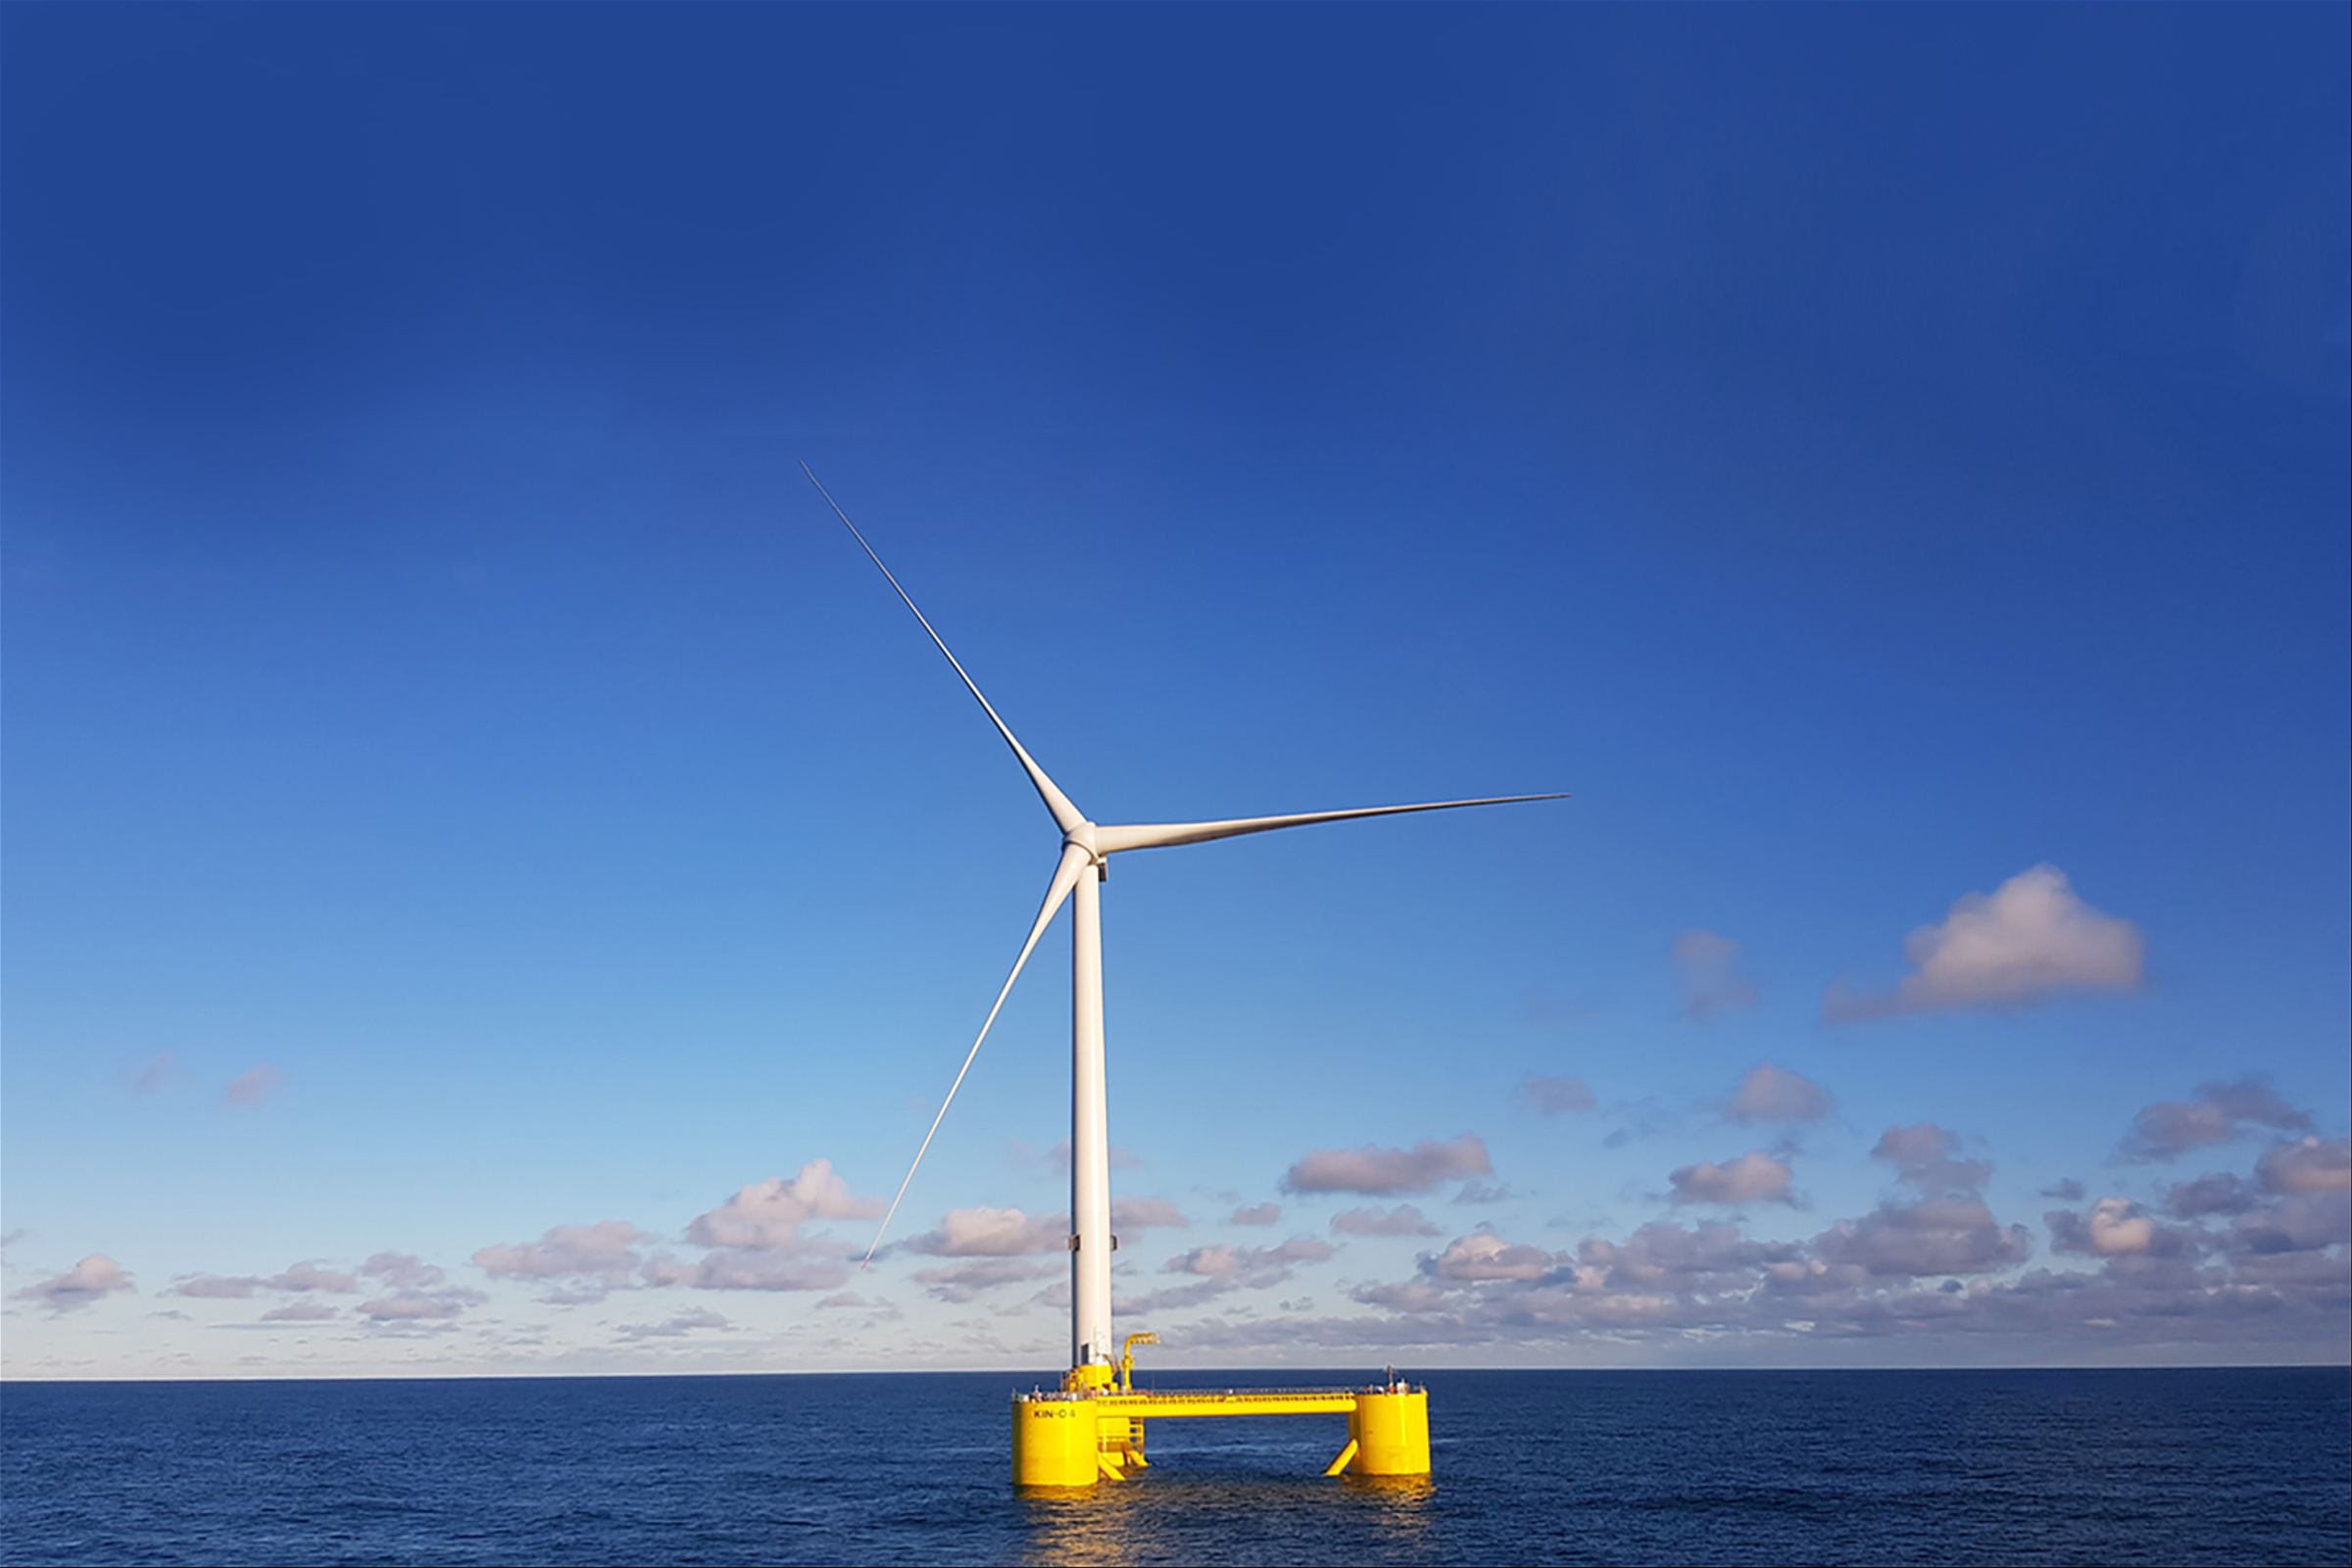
(1289, 1391)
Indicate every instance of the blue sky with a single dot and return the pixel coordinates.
(462, 789)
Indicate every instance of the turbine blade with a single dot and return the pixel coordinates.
(1162, 835)
(1065, 815)
(1075, 862)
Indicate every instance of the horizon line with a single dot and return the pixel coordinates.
(7, 1380)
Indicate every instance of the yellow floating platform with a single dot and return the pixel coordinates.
(1094, 1430)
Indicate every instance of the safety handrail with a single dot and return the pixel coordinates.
(1218, 1393)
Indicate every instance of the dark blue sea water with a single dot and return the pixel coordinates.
(2014, 1467)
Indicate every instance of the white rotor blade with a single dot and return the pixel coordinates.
(1065, 815)
(1161, 835)
(1075, 862)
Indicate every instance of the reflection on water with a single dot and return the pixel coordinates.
(1164, 1515)
(1405, 1497)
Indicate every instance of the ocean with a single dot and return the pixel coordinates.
(2175, 1466)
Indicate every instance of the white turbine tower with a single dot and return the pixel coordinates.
(1085, 844)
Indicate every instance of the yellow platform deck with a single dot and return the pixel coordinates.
(1170, 1402)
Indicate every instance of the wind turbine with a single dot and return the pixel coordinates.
(1085, 847)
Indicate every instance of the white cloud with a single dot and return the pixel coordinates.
(1752, 1178)
(2120, 1229)
(2115, 1225)
(1929, 1158)
(1709, 966)
(992, 1233)
(2307, 1165)
(748, 1270)
(403, 1271)
(1256, 1214)
(414, 1306)
(312, 1276)
(2030, 939)
(965, 1279)
(2219, 1193)
(1386, 1172)
(300, 1312)
(847, 1300)
(2310, 1220)
(1250, 1266)
(96, 1275)
(1152, 1303)
(298, 1278)
(1146, 1213)
(771, 1213)
(1663, 1255)
(984, 1232)
(2214, 1114)
(1946, 1234)
(1775, 1094)
(1482, 1256)
(673, 1328)
(1220, 1269)
(603, 1254)
(419, 1292)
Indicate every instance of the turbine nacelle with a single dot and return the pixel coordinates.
(1085, 838)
